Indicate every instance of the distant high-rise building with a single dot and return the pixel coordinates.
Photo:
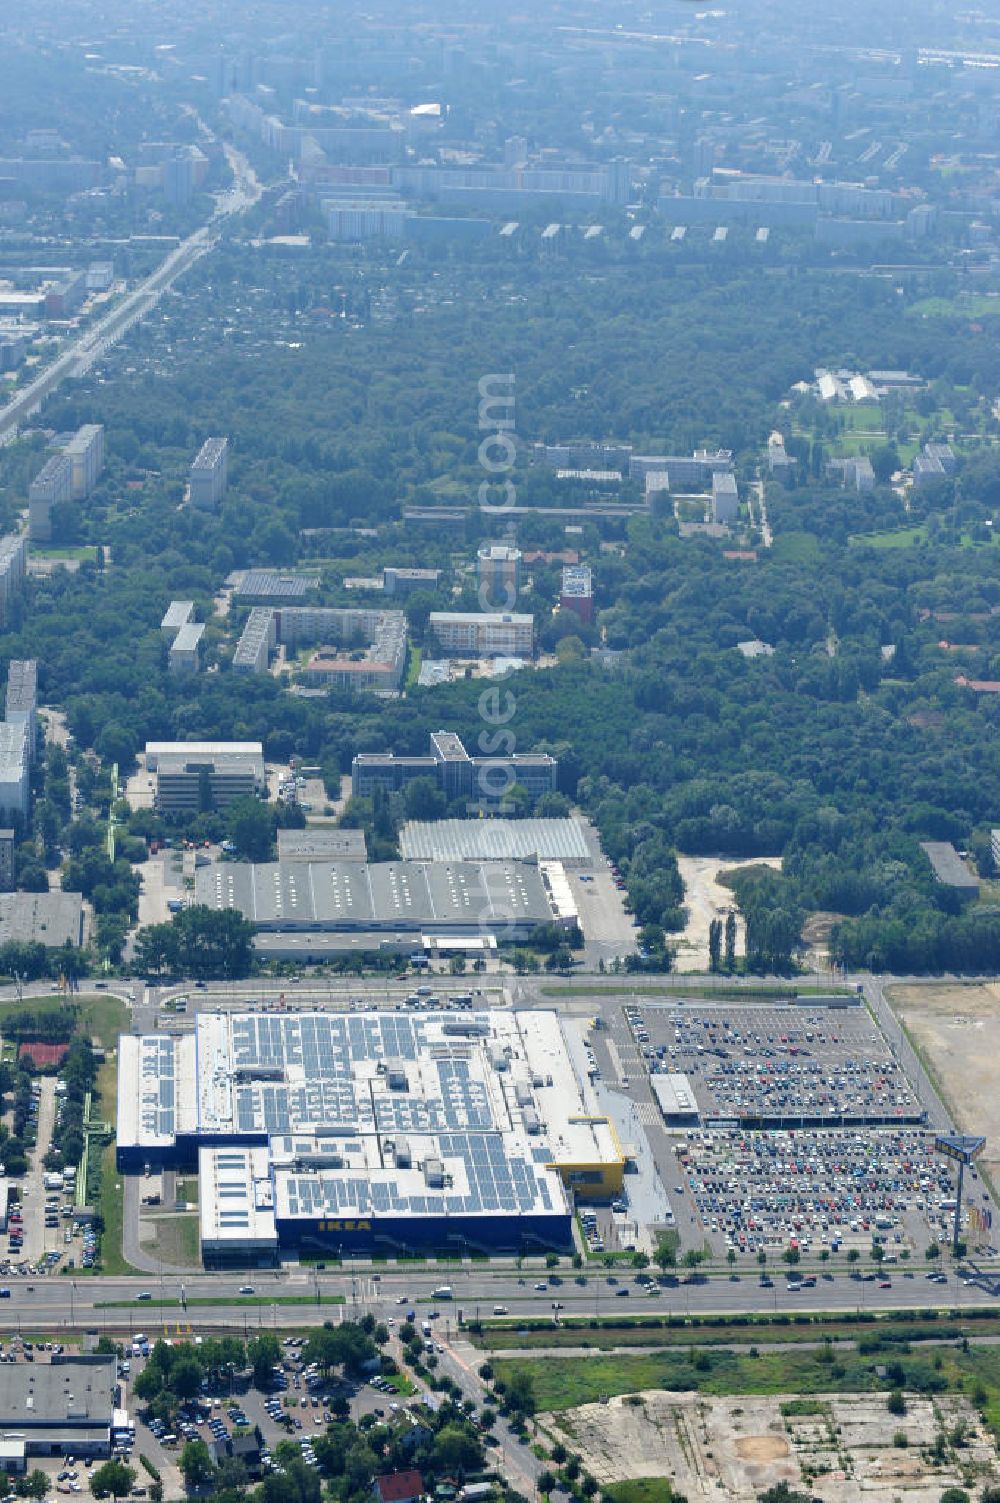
(577, 593)
(13, 562)
(6, 860)
(209, 474)
(515, 151)
(52, 486)
(21, 706)
(85, 452)
(725, 497)
(498, 574)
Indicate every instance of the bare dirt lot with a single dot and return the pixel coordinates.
(705, 899)
(957, 1031)
(836, 1447)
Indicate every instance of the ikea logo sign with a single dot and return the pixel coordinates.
(345, 1226)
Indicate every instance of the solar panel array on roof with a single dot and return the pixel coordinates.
(497, 1184)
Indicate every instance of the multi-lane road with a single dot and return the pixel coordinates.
(303, 1297)
(80, 355)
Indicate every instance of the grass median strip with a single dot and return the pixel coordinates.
(248, 1302)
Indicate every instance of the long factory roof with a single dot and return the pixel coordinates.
(355, 894)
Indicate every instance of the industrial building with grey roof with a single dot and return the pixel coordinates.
(504, 897)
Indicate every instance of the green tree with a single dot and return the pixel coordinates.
(263, 1354)
(196, 1464)
(456, 1449)
(730, 956)
(896, 1402)
(185, 1377)
(715, 944)
(250, 826)
(113, 1480)
(665, 1255)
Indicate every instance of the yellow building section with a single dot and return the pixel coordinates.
(595, 1165)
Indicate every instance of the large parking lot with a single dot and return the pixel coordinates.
(778, 1065)
(817, 1188)
(796, 1128)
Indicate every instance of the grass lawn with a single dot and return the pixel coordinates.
(796, 547)
(112, 1208)
(177, 1240)
(413, 671)
(625, 987)
(563, 1383)
(899, 537)
(680, 1333)
(111, 1199)
(100, 1017)
(86, 552)
(961, 307)
(640, 1490)
(103, 1018)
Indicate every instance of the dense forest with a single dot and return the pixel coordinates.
(839, 750)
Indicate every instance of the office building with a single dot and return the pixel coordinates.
(402, 582)
(483, 634)
(950, 870)
(577, 593)
(366, 219)
(378, 1132)
(22, 700)
(725, 498)
(684, 472)
(14, 769)
(185, 651)
(209, 474)
(178, 614)
(192, 773)
(257, 642)
(498, 576)
(584, 455)
(52, 486)
(779, 463)
(458, 775)
(85, 452)
(7, 838)
(13, 567)
(64, 1406)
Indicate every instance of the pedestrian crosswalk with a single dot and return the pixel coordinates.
(647, 1113)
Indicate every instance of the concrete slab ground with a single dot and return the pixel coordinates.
(836, 1447)
(956, 1028)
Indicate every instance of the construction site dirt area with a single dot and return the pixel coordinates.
(707, 898)
(956, 1029)
(835, 1447)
